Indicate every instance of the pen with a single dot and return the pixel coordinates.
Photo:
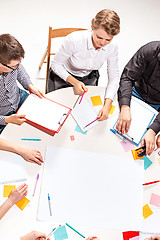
(51, 233)
(35, 184)
(91, 122)
(118, 135)
(75, 230)
(144, 184)
(31, 139)
(49, 203)
(81, 97)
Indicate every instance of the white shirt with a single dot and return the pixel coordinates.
(78, 56)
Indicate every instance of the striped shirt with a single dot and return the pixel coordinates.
(9, 90)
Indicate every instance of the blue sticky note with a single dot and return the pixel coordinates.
(79, 130)
(147, 162)
(61, 233)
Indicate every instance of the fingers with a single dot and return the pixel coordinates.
(36, 157)
(149, 147)
(158, 141)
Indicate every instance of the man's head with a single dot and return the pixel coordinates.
(11, 52)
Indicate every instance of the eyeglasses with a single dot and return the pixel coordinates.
(11, 67)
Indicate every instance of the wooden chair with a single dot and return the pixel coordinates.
(54, 33)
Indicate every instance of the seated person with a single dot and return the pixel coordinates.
(83, 53)
(141, 78)
(33, 156)
(11, 71)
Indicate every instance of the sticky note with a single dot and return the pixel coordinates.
(130, 234)
(147, 211)
(79, 130)
(147, 162)
(8, 189)
(111, 110)
(22, 203)
(127, 146)
(135, 154)
(61, 233)
(158, 161)
(155, 200)
(72, 137)
(134, 238)
(96, 101)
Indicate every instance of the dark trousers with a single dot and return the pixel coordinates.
(54, 82)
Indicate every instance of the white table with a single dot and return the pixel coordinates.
(98, 139)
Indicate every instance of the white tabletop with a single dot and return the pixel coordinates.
(98, 139)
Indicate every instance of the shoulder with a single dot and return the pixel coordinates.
(79, 36)
(150, 49)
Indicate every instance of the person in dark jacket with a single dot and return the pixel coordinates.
(141, 78)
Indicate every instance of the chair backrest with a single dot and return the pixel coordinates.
(54, 33)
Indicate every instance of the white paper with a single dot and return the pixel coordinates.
(12, 169)
(43, 112)
(91, 189)
(152, 223)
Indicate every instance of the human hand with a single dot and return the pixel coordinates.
(34, 235)
(92, 238)
(158, 141)
(79, 88)
(17, 194)
(15, 119)
(155, 237)
(34, 90)
(149, 141)
(124, 120)
(33, 156)
(104, 112)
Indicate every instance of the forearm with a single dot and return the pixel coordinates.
(72, 80)
(11, 147)
(5, 207)
(155, 126)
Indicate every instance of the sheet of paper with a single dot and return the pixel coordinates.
(141, 119)
(127, 146)
(134, 238)
(96, 100)
(155, 200)
(61, 233)
(8, 189)
(129, 235)
(12, 169)
(91, 189)
(22, 203)
(147, 162)
(147, 211)
(43, 111)
(151, 224)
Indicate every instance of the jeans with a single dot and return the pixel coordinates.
(23, 96)
(136, 94)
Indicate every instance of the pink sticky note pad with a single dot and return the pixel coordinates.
(127, 146)
(134, 238)
(155, 200)
(72, 137)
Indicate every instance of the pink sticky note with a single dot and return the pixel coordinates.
(72, 137)
(155, 200)
(127, 146)
(134, 238)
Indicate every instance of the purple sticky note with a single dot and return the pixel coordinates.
(155, 200)
(127, 146)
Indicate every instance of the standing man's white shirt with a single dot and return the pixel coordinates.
(77, 56)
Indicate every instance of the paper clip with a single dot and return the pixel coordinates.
(63, 118)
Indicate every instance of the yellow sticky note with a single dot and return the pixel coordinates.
(111, 110)
(96, 101)
(22, 203)
(8, 189)
(147, 211)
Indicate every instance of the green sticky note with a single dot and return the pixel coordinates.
(79, 130)
(61, 233)
(147, 162)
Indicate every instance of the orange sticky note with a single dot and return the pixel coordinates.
(147, 211)
(111, 110)
(8, 189)
(96, 101)
(135, 154)
(22, 203)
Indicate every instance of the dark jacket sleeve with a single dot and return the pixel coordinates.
(155, 126)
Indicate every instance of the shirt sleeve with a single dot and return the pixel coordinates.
(23, 77)
(65, 52)
(155, 126)
(2, 120)
(113, 73)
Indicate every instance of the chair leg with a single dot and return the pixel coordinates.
(43, 58)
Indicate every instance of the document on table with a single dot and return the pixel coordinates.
(91, 189)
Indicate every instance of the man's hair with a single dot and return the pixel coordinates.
(10, 49)
(108, 20)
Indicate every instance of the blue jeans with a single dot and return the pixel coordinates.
(23, 96)
(136, 94)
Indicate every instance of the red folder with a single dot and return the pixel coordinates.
(34, 108)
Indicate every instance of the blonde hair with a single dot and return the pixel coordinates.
(108, 20)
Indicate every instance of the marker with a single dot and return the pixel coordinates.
(91, 122)
(35, 184)
(81, 97)
(49, 203)
(75, 230)
(118, 135)
(144, 184)
(31, 139)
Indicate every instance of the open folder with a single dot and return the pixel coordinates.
(142, 117)
(44, 113)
